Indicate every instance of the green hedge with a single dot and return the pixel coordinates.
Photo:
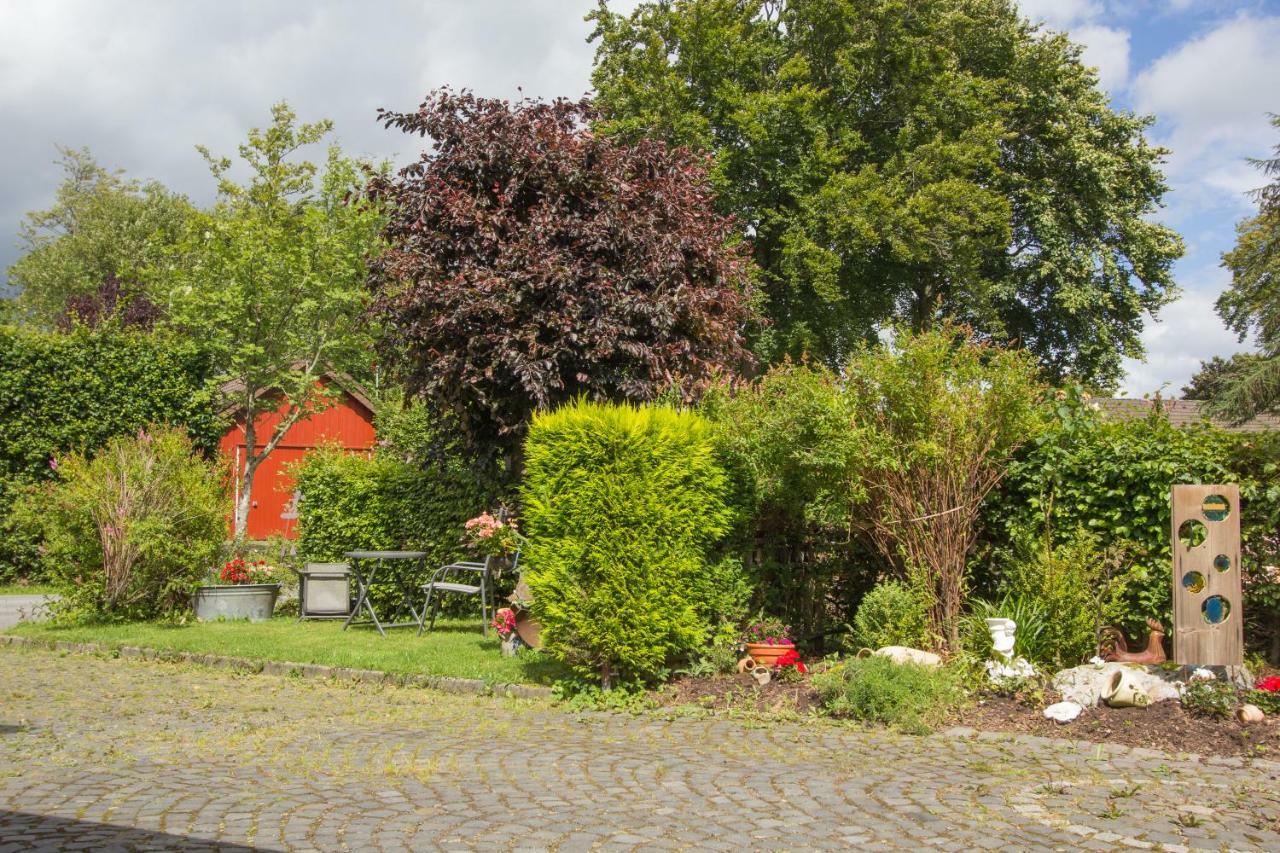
(623, 509)
(1112, 479)
(63, 393)
(354, 501)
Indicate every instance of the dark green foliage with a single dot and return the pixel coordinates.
(788, 444)
(61, 393)
(912, 698)
(624, 508)
(352, 501)
(129, 532)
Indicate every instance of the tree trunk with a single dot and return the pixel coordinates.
(244, 500)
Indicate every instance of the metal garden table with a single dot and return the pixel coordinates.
(366, 566)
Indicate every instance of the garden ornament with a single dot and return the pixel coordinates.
(1002, 632)
(1250, 714)
(1063, 712)
(1118, 649)
(1126, 691)
(762, 675)
(903, 654)
(746, 664)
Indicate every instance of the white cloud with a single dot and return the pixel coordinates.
(1107, 49)
(1188, 332)
(1060, 14)
(1212, 95)
(142, 82)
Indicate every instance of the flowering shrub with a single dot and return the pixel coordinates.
(504, 622)
(240, 571)
(128, 533)
(768, 632)
(1269, 685)
(491, 536)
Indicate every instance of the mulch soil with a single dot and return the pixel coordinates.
(1165, 726)
(740, 693)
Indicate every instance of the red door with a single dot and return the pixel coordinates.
(273, 507)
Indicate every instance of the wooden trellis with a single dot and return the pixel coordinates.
(1208, 617)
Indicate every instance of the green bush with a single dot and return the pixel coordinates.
(1112, 479)
(62, 393)
(787, 444)
(129, 532)
(353, 501)
(908, 697)
(1210, 699)
(623, 510)
(1030, 641)
(892, 614)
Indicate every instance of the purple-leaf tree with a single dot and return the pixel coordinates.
(530, 261)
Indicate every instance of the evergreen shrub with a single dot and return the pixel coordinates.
(624, 508)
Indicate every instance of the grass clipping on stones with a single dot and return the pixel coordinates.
(910, 698)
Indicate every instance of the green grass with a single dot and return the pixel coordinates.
(24, 589)
(455, 648)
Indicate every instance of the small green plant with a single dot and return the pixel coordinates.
(578, 695)
(1186, 820)
(893, 613)
(1268, 701)
(907, 697)
(1209, 698)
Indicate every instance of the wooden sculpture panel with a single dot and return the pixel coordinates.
(1208, 619)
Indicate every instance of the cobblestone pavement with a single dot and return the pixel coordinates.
(124, 754)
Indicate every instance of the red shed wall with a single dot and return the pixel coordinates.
(348, 424)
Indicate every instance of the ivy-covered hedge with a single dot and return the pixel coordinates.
(63, 393)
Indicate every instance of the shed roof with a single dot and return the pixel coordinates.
(1181, 413)
(358, 392)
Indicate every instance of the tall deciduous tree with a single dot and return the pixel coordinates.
(271, 279)
(1251, 305)
(101, 227)
(530, 260)
(907, 162)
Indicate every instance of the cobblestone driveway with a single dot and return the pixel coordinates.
(142, 755)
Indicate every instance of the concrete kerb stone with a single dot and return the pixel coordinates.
(446, 684)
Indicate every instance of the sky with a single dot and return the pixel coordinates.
(142, 82)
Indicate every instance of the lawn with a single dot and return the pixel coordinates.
(25, 589)
(455, 648)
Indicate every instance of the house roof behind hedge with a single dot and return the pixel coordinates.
(1181, 413)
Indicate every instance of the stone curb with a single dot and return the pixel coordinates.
(311, 671)
(1111, 750)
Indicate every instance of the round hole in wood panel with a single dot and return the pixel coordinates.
(1191, 533)
(1193, 582)
(1215, 609)
(1222, 562)
(1215, 508)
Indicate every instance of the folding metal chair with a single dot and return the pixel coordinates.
(448, 579)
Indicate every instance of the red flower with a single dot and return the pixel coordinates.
(791, 658)
(1270, 685)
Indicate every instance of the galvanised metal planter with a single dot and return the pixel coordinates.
(252, 601)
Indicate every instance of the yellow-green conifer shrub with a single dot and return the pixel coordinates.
(624, 508)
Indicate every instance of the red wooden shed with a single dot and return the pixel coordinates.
(348, 423)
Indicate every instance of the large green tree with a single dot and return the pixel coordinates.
(271, 279)
(907, 161)
(102, 226)
(1251, 305)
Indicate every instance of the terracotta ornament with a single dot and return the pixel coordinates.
(1119, 651)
